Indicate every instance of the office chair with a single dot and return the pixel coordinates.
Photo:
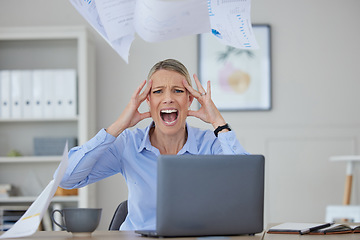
(119, 216)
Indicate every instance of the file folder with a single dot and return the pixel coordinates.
(38, 92)
(5, 100)
(16, 96)
(49, 94)
(26, 92)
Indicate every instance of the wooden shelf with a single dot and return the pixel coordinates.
(30, 199)
(22, 120)
(31, 159)
(346, 158)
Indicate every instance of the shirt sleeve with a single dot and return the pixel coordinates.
(91, 162)
(230, 144)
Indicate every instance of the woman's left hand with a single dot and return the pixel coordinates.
(208, 112)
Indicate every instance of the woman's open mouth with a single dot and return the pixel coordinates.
(169, 116)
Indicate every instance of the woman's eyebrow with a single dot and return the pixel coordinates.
(178, 86)
(174, 86)
(152, 87)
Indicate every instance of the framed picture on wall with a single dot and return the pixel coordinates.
(240, 78)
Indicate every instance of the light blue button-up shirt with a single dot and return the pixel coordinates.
(132, 155)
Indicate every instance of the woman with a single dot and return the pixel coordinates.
(133, 153)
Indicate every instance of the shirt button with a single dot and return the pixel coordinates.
(234, 148)
(231, 139)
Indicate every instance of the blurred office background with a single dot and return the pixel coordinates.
(315, 97)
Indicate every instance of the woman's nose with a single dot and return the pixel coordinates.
(168, 98)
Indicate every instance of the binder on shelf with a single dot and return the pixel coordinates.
(64, 81)
(38, 94)
(70, 93)
(59, 101)
(16, 96)
(5, 90)
(49, 94)
(26, 92)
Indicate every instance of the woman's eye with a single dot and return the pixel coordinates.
(157, 91)
(179, 91)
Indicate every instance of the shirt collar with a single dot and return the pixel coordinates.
(146, 144)
(190, 145)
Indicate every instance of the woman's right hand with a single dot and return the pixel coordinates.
(131, 115)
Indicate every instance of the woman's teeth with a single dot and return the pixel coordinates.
(170, 122)
(169, 111)
(169, 116)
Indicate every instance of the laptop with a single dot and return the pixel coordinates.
(209, 195)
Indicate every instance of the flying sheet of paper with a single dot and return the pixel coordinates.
(231, 23)
(29, 222)
(120, 40)
(89, 11)
(122, 46)
(159, 20)
(116, 15)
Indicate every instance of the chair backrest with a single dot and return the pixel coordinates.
(119, 216)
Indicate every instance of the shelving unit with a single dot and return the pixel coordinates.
(56, 199)
(46, 48)
(31, 159)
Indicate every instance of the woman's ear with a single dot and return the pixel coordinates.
(191, 98)
(148, 100)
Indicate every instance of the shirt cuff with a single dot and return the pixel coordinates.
(230, 143)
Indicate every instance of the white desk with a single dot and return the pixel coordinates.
(129, 235)
(121, 235)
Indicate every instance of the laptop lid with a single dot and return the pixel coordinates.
(203, 195)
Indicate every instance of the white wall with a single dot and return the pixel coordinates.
(316, 112)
